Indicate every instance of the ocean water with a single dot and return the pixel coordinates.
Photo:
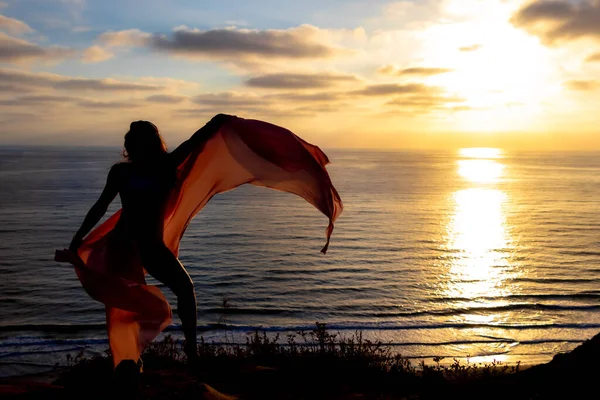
(478, 254)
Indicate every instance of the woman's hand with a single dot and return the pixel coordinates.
(220, 119)
(200, 137)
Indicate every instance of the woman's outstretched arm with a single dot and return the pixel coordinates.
(201, 135)
(99, 208)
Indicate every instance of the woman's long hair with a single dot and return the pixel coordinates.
(144, 143)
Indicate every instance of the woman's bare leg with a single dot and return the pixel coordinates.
(162, 264)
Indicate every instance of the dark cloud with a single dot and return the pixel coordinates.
(296, 43)
(100, 85)
(278, 104)
(57, 100)
(415, 71)
(560, 20)
(40, 79)
(582, 85)
(13, 50)
(411, 96)
(427, 102)
(473, 47)
(544, 10)
(387, 89)
(270, 105)
(317, 109)
(227, 99)
(298, 81)
(37, 100)
(106, 104)
(306, 97)
(12, 88)
(165, 98)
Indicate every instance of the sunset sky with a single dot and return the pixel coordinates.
(379, 74)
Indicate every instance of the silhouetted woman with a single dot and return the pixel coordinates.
(143, 183)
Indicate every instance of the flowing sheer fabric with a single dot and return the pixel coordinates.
(242, 151)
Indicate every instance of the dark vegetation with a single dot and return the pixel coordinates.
(315, 365)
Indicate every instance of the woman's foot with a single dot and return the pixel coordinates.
(127, 379)
(191, 352)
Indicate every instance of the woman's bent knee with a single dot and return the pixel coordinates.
(164, 266)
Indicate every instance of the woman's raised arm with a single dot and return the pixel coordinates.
(111, 189)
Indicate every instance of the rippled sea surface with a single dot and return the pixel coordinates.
(476, 253)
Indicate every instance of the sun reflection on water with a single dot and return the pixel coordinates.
(478, 239)
(477, 233)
